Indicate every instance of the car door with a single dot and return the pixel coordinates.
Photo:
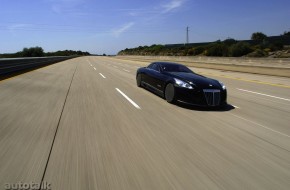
(156, 78)
(146, 74)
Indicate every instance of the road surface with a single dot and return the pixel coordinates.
(84, 124)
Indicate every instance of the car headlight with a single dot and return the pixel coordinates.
(182, 84)
(223, 86)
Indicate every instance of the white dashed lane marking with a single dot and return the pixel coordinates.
(102, 75)
(129, 99)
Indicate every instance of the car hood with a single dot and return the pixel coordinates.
(199, 80)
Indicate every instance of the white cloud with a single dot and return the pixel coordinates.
(119, 31)
(173, 4)
(60, 6)
(133, 14)
(160, 11)
(14, 27)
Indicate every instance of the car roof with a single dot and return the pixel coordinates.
(166, 63)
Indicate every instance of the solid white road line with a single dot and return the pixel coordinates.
(102, 75)
(131, 101)
(95, 68)
(264, 94)
(115, 66)
(126, 70)
(260, 125)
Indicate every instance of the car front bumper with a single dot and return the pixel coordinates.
(201, 97)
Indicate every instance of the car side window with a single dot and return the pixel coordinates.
(150, 66)
(155, 67)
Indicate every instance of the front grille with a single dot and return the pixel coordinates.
(212, 96)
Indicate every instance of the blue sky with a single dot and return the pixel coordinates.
(106, 26)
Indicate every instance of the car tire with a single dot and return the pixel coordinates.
(169, 93)
(139, 80)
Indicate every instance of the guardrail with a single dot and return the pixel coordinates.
(13, 65)
(265, 66)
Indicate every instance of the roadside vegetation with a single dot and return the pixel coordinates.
(39, 52)
(260, 45)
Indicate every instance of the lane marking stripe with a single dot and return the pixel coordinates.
(264, 94)
(102, 75)
(95, 68)
(236, 106)
(131, 101)
(126, 70)
(89, 63)
(260, 125)
(253, 81)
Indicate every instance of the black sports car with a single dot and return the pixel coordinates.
(176, 82)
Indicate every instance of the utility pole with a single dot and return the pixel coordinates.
(187, 37)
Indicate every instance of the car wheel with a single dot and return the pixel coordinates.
(169, 93)
(139, 80)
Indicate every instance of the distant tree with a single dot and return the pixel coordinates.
(190, 51)
(33, 52)
(276, 45)
(199, 50)
(67, 53)
(155, 49)
(217, 49)
(228, 47)
(258, 53)
(258, 36)
(240, 49)
(286, 33)
(230, 41)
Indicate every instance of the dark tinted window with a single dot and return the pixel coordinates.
(155, 67)
(175, 68)
(150, 66)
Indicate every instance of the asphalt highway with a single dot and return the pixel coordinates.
(84, 124)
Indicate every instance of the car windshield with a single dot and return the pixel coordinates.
(175, 68)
